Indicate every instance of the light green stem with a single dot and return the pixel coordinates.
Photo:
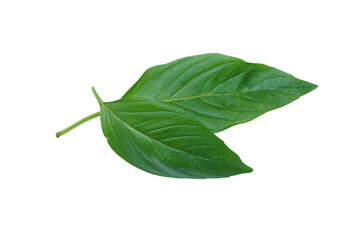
(85, 119)
(78, 123)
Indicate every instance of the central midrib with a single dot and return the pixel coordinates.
(204, 95)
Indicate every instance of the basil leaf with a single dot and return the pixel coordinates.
(162, 139)
(218, 90)
(165, 123)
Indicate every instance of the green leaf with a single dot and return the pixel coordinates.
(164, 140)
(218, 90)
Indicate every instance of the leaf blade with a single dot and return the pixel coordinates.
(171, 145)
(233, 90)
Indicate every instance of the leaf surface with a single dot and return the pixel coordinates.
(218, 90)
(162, 139)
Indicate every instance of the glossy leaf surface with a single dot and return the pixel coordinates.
(162, 139)
(218, 90)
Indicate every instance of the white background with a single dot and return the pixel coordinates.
(305, 156)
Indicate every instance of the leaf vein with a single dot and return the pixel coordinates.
(229, 80)
(202, 73)
(204, 114)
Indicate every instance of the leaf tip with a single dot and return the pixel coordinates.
(313, 86)
(248, 169)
